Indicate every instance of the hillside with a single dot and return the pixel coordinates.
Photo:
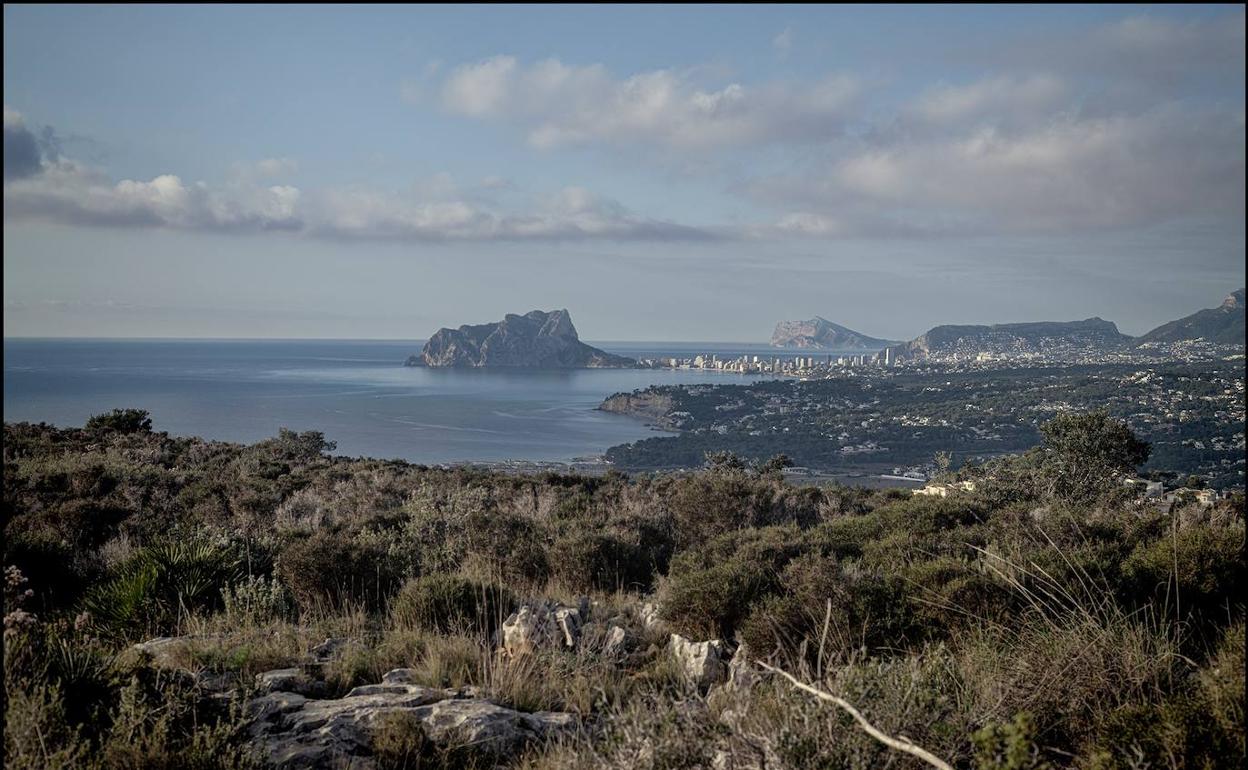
(175, 602)
(1222, 325)
(1049, 337)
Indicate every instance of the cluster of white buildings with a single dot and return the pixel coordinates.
(746, 364)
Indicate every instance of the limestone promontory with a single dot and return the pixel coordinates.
(535, 340)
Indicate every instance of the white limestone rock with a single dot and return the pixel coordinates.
(701, 663)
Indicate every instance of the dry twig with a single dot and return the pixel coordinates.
(899, 743)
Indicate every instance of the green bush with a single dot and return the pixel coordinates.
(256, 599)
(121, 421)
(331, 570)
(508, 547)
(450, 603)
(153, 589)
(1009, 746)
(862, 609)
(710, 504)
(710, 589)
(947, 593)
(586, 560)
(1200, 568)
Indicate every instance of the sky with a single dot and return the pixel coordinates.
(664, 173)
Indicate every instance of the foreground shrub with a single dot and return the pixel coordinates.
(256, 599)
(710, 589)
(329, 570)
(36, 731)
(507, 547)
(162, 583)
(450, 603)
(860, 609)
(1200, 568)
(585, 560)
(121, 421)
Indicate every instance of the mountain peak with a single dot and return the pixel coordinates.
(538, 339)
(820, 333)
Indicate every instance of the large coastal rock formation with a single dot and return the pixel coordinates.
(652, 404)
(1222, 325)
(1090, 336)
(537, 340)
(822, 334)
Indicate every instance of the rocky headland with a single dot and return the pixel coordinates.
(535, 340)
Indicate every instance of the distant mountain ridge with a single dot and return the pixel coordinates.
(1222, 325)
(536, 340)
(1090, 335)
(821, 334)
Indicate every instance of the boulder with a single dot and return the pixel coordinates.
(650, 619)
(701, 663)
(742, 673)
(295, 732)
(617, 642)
(170, 651)
(399, 676)
(332, 648)
(294, 680)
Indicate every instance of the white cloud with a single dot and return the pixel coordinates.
(480, 89)
(995, 98)
(1067, 174)
(66, 192)
(572, 214)
(783, 42)
(273, 167)
(69, 192)
(1139, 60)
(559, 104)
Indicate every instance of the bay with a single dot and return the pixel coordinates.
(357, 392)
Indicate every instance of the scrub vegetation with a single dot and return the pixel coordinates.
(1046, 619)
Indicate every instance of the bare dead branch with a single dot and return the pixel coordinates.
(899, 743)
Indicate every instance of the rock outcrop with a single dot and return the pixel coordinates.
(652, 404)
(651, 619)
(822, 334)
(543, 625)
(174, 654)
(294, 680)
(292, 731)
(617, 642)
(701, 663)
(1223, 325)
(535, 340)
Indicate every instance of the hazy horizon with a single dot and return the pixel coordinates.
(595, 341)
(667, 174)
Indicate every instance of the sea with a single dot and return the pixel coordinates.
(357, 392)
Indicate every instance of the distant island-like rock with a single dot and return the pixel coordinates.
(1087, 336)
(822, 334)
(535, 340)
(1221, 325)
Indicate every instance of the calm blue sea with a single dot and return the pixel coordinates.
(355, 391)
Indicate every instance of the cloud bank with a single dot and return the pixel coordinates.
(557, 104)
(1123, 125)
(58, 189)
